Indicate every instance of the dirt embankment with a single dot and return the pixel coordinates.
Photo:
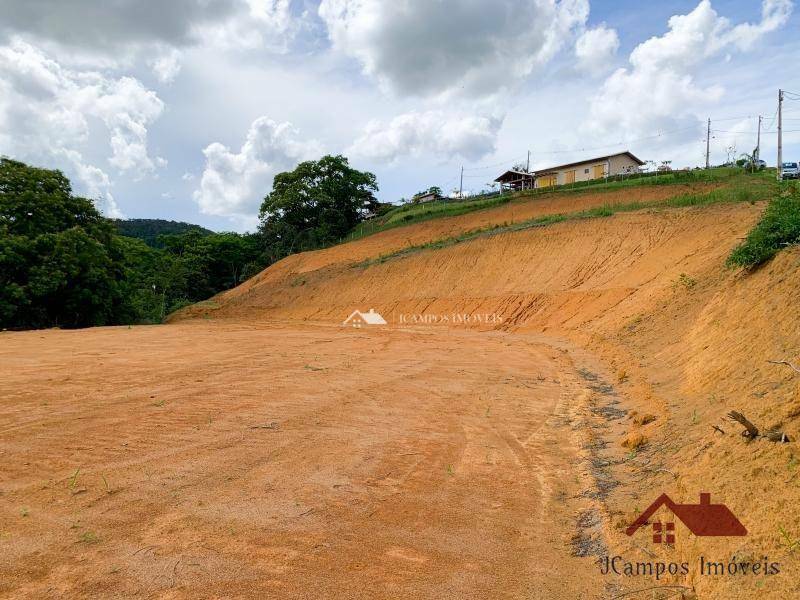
(517, 210)
(687, 341)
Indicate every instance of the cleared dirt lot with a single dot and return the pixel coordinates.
(228, 460)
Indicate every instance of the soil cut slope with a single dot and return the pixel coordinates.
(256, 448)
(648, 294)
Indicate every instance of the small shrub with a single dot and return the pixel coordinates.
(89, 537)
(686, 281)
(779, 227)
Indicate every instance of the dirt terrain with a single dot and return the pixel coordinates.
(255, 448)
(224, 460)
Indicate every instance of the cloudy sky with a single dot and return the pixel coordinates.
(186, 109)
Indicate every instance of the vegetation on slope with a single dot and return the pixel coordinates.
(149, 230)
(314, 206)
(59, 260)
(778, 228)
(63, 264)
(408, 214)
(740, 188)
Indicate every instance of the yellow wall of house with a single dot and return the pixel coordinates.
(546, 181)
(590, 170)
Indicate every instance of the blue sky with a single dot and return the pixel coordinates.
(187, 112)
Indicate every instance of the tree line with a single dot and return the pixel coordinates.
(62, 264)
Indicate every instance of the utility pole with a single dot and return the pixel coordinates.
(461, 186)
(780, 135)
(758, 141)
(708, 146)
(528, 168)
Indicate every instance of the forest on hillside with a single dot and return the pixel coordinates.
(150, 230)
(62, 264)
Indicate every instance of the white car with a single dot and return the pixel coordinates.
(790, 170)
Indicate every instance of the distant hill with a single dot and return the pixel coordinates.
(148, 230)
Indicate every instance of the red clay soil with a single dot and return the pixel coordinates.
(519, 209)
(226, 460)
(255, 448)
(686, 339)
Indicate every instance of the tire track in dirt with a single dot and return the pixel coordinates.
(404, 463)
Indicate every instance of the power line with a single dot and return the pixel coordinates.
(660, 134)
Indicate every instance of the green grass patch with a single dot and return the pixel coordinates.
(415, 213)
(410, 214)
(742, 188)
(778, 228)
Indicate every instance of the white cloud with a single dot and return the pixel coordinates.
(47, 113)
(432, 133)
(96, 183)
(422, 47)
(260, 23)
(167, 65)
(127, 108)
(233, 184)
(595, 48)
(658, 90)
(100, 24)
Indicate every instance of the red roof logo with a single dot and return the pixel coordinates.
(703, 519)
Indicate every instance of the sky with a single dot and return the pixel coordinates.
(186, 109)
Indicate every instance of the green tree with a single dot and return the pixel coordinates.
(60, 264)
(316, 204)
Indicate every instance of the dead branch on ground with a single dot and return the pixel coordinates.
(751, 432)
(274, 425)
(785, 362)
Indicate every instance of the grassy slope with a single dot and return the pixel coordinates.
(739, 187)
(409, 214)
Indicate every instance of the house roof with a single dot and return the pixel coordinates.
(704, 519)
(512, 175)
(589, 160)
(370, 317)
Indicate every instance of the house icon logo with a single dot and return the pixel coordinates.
(704, 519)
(360, 319)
